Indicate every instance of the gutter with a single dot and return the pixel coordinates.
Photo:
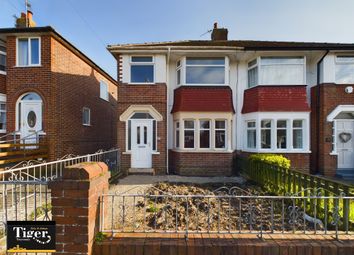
(318, 97)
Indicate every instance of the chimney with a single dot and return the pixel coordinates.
(219, 34)
(25, 20)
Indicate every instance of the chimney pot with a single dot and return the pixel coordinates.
(29, 15)
(219, 34)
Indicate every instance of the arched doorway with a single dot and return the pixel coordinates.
(29, 116)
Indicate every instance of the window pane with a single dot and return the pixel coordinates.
(265, 139)
(205, 61)
(86, 116)
(205, 124)
(297, 123)
(252, 63)
(297, 139)
(204, 139)
(141, 115)
(34, 51)
(154, 135)
(104, 90)
(205, 75)
(23, 52)
(129, 135)
(253, 77)
(281, 60)
(142, 59)
(189, 139)
(145, 135)
(251, 138)
(281, 138)
(345, 58)
(251, 124)
(138, 135)
(188, 124)
(266, 123)
(220, 139)
(178, 76)
(177, 138)
(220, 124)
(142, 73)
(345, 73)
(2, 62)
(281, 123)
(282, 74)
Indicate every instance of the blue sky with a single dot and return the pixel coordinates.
(127, 21)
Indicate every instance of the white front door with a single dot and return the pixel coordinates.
(141, 138)
(31, 120)
(345, 143)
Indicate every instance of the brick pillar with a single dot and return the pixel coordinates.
(75, 206)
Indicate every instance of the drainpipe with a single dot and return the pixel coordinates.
(318, 112)
(167, 112)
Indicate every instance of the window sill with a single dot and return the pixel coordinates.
(28, 66)
(141, 83)
(2, 131)
(3, 72)
(87, 125)
(333, 153)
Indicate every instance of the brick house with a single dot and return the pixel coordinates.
(48, 88)
(188, 107)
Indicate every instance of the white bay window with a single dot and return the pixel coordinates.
(276, 71)
(204, 132)
(288, 132)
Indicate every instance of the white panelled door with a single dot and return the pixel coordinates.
(141, 148)
(31, 119)
(345, 143)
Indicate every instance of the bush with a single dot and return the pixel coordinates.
(273, 159)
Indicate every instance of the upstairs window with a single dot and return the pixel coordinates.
(104, 90)
(276, 71)
(28, 51)
(142, 70)
(345, 69)
(205, 70)
(2, 60)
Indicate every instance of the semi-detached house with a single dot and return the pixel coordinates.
(188, 107)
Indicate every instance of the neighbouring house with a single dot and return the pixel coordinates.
(51, 90)
(188, 107)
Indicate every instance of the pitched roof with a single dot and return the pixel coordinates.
(203, 99)
(244, 44)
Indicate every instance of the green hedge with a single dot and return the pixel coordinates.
(274, 159)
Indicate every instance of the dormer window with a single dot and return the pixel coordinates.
(28, 51)
(2, 60)
(345, 69)
(142, 69)
(276, 71)
(202, 71)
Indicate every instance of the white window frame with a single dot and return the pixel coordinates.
(4, 54)
(289, 117)
(183, 69)
(259, 66)
(220, 129)
(106, 93)
(248, 129)
(89, 116)
(29, 52)
(3, 101)
(131, 63)
(204, 129)
(338, 62)
(177, 128)
(287, 130)
(292, 133)
(194, 129)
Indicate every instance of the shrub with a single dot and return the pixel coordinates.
(273, 159)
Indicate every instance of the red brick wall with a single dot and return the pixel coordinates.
(275, 99)
(78, 86)
(201, 163)
(66, 83)
(299, 161)
(155, 95)
(2, 83)
(331, 95)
